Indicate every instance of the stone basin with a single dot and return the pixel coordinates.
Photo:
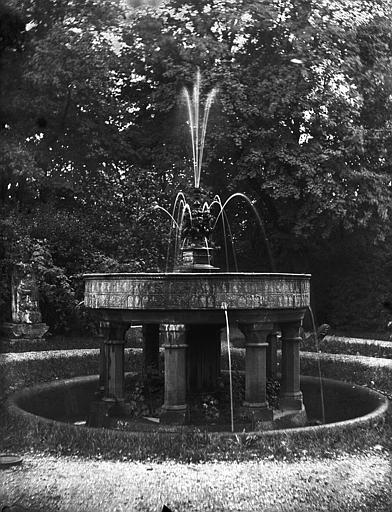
(199, 297)
(185, 312)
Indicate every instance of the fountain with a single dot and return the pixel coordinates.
(184, 310)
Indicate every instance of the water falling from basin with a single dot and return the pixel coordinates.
(315, 334)
(224, 307)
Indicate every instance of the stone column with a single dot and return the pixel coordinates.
(290, 393)
(203, 357)
(103, 334)
(272, 360)
(151, 350)
(174, 409)
(255, 404)
(114, 363)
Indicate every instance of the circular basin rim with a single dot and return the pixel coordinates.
(378, 411)
(195, 275)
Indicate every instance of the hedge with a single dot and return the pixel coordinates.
(28, 368)
(375, 373)
(350, 346)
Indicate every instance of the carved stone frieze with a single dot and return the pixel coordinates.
(242, 291)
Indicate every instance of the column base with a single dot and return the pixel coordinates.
(257, 412)
(118, 407)
(102, 411)
(174, 415)
(100, 392)
(290, 418)
(291, 401)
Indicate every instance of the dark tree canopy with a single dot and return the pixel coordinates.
(304, 94)
(93, 128)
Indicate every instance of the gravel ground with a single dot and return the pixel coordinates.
(346, 483)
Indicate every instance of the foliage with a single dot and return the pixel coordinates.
(297, 83)
(66, 172)
(350, 280)
(57, 298)
(145, 396)
(302, 125)
(93, 132)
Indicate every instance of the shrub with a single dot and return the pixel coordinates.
(351, 346)
(29, 368)
(365, 371)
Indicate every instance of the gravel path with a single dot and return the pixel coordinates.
(347, 483)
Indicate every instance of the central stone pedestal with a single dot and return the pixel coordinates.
(203, 357)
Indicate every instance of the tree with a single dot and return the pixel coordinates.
(66, 169)
(93, 126)
(302, 124)
(297, 81)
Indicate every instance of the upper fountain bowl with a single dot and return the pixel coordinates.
(199, 294)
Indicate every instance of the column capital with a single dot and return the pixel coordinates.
(173, 335)
(103, 329)
(290, 330)
(173, 345)
(116, 332)
(255, 326)
(255, 332)
(259, 405)
(172, 328)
